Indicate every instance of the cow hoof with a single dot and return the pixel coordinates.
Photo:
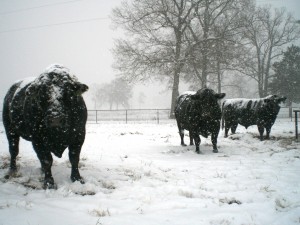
(80, 179)
(215, 151)
(49, 185)
(12, 173)
(183, 144)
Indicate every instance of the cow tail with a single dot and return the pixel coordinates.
(223, 116)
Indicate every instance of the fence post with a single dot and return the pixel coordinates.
(126, 115)
(96, 116)
(296, 123)
(158, 116)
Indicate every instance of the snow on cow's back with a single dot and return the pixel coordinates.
(243, 102)
(188, 93)
(23, 83)
(183, 96)
(238, 102)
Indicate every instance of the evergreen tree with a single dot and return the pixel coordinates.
(287, 75)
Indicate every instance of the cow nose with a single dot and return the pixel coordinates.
(56, 122)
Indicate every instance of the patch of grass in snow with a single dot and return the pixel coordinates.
(220, 222)
(230, 201)
(84, 193)
(4, 206)
(100, 212)
(220, 175)
(108, 185)
(187, 194)
(266, 189)
(132, 174)
(283, 204)
(5, 161)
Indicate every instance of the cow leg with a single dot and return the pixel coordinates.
(268, 130)
(197, 142)
(46, 161)
(191, 139)
(261, 132)
(74, 155)
(181, 133)
(226, 130)
(13, 141)
(214, 140)
(233, 128)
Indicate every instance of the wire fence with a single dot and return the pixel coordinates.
(149, 115)
(130, 115)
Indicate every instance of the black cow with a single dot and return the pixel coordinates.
(50, 112)
(200, 114)
(246, 112)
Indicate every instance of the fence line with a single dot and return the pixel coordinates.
(146, 115)
(129, 115)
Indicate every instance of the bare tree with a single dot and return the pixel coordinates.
(266, 31)
(155, 44)
(99, 95)
(118, 92)
(210, 31)
(141, 99)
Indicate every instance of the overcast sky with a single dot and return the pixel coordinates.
(75, 33)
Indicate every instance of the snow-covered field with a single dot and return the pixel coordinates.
(139, 174)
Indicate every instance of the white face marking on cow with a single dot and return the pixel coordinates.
(56, 95)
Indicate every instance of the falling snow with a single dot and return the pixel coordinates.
(139, 174)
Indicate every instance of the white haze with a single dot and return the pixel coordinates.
(77, 34)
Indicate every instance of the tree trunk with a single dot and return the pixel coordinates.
(260, 90)
(177, 69)
(267, 72)
(219, 76)
(205, 46)
(175, 93)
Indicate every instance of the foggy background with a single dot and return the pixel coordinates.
(77, 34)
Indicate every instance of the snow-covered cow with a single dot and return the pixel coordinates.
(200, 114)
(246, 112)
(50, 112)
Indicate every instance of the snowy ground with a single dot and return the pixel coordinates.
(138, 174)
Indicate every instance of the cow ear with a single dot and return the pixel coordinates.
(195, 97)
(220, 95)
(282, 99)
(80, 88)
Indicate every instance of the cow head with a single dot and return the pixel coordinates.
(207, 96)
(54, 92)
(273, 102)
(275, 99)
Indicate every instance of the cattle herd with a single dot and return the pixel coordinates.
(49, 111)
